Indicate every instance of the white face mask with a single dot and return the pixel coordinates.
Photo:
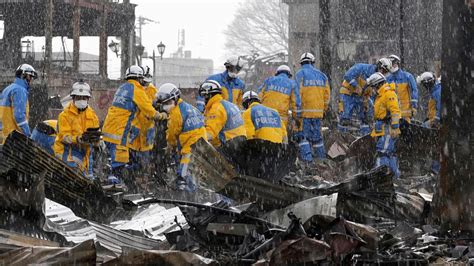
(167, 107)
(394, 69)
(232, 74)
(81, 104)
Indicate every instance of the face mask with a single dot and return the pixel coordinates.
(167, 107)
(394, 69)
(232, 75)
(81, 104)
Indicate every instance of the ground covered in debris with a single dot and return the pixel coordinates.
(335, 211)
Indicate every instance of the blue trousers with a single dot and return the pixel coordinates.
(311, 144)
(352, 104)
(184, 180)
(386, 152)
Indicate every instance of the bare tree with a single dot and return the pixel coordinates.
(259, 26)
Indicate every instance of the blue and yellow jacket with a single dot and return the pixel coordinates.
(356, 75)
(121, 125)
(223, 121)
(312, 92)
(405, 87)
(185, 127)
(71, 125)
(232, 90)
(262, 122)
(386, 111)
(45, 137)
(14, 108)
(434, 103)
(278, 93)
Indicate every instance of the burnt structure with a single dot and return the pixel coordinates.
(340, 33)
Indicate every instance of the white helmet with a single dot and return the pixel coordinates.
(307, 57)
(284, 69)
(25, 69)
(167, 92)
(385, 64)
(81, 89)
(395, 59)
(248, 97)
(427, 79)
(375, 79)
(209, 87)
(234, 62)
(134, 71)
(147, 74)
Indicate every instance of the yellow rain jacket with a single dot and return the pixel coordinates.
(14, 109)
(71, 125)
(185, 127)
(232, 89)
(386, 111)
(223, 121)
(264, 123)
(145, 124)
(122, 125)
(278, 93)
(312, 92)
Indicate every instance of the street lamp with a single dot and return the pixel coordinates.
(115, 47)
(161, 49)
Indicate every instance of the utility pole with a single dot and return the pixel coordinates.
(142, 21)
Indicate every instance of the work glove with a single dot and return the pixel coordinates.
(285, 140)
(169, 150)
(92, 135)
(413, 112)
(358, 90)
(160, 116)
(298, 123)
(394, 133)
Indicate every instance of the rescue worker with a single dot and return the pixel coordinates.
(14, 106)
(44, 134)
(278, 92)
(78, 128)
(354, 96)
(223, 120)
(405, 87)
(312, 101)
(433, 86)
(387, 122)
(185, 127)
(262, 122)
(121, 127)
(232, 86)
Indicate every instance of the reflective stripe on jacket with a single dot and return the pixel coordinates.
(312, 92)
(262, 122)
(185, 127)
(121, 125)
(223, 121)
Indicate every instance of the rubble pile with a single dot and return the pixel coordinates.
(331, 212)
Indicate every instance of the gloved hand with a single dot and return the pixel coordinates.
(285, 140)
(169, 150)
(160, 116)
(413, 112)
(358, 90)
(90, 136)
(394, 133)
(298, 123)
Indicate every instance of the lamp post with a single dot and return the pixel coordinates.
(161, 49)
(115, 47)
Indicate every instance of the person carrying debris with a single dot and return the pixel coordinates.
(312, 101)
(222, 118)
(387, 122)
(262, 122)
(278, 92)
(14, 106)
(354, 96)
(232, 86)
(405, 87)
(185, 127)
(44, 134)
(78, 130)
(433, 86)
(121, 129)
